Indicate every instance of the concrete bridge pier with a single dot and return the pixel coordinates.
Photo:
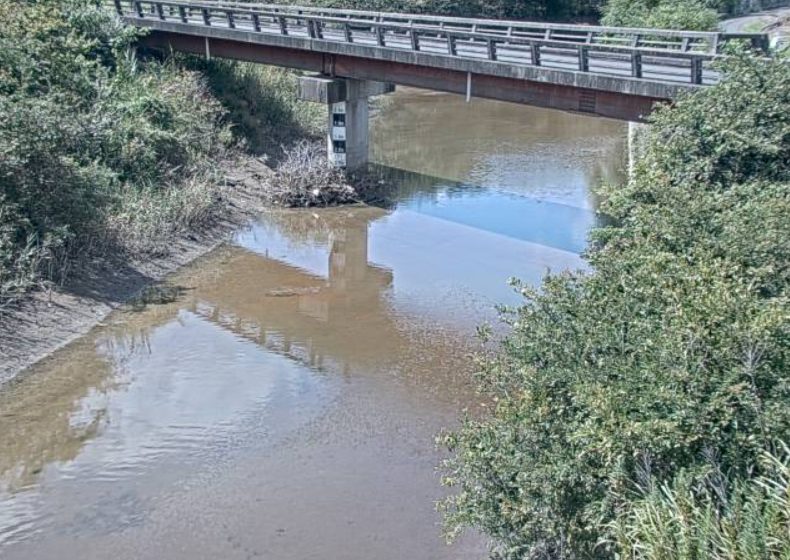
(347, 108)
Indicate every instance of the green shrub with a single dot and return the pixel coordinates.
(262, 102)
(21, 253)
(661, 14)
(85, 129)
(676, 344)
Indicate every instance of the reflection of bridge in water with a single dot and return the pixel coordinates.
(343, 317)
(339, 322)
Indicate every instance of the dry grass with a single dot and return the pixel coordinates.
(147, 220)
(305, 178)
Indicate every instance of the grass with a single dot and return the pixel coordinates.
(104, 151)
(711, 519)
(262, 103)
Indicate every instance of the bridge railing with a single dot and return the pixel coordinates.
(557, 47)
(696, 41)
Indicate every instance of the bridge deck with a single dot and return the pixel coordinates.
(652, 64)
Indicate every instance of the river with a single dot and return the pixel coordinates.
(280, 397)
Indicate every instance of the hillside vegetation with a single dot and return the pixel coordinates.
(667, 14)
(698, 15)
(642, 409)
(97, 149)
(519, 9)
(105, 151)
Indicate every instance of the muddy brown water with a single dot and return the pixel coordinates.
(280, 397)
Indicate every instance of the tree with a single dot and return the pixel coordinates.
(675, 347)
(661, 14)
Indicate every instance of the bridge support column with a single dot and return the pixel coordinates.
(347, 106)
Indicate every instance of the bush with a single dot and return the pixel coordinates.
(676, 345)
(262, 103)
(661, 14)
(85, 130)
(21, 253)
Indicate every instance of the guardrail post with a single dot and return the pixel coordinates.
(118, 7)
(206, 16)
(138, 6)
(491, 46)
(310, 28)
(231, 23)
(182, 13)
(636, 64)
(696, 70)
(584, 58)
(535, 49)
(760, 43)
(452, 48)
(283, 25)
(415, 41)
(347, 33)
(256, 22)
(160, 11)
(380, 36)
(319, 29)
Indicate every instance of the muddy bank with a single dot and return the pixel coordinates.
(44, 321)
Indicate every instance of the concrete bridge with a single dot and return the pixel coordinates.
(618, 73)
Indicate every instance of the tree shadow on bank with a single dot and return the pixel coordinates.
(262, 105)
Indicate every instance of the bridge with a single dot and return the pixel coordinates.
(619, 73)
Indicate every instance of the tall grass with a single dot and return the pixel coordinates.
(261, 102)
(710, 518)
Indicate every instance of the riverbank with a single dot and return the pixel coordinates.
(46, 320)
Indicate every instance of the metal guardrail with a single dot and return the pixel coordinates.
(698, 41)
(672, 56)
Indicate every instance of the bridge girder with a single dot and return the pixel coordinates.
(609, 104)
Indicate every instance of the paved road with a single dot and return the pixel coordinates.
(759, 22)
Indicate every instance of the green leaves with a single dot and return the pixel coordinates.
(675, 346)
(660, 14)
(86, 132)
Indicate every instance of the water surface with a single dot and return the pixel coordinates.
(281, 398)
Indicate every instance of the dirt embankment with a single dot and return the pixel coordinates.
(46, 320)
